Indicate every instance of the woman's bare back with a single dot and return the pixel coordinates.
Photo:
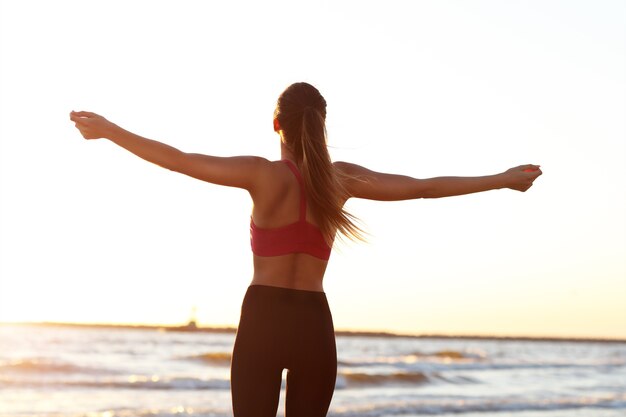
(276, 204)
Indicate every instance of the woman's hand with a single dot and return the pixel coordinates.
(92, 125)
(521, 178)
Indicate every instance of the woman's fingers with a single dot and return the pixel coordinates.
(536, 173)
(90, 125)
(83, 114)
(530, 168)
(523, 176)
(83, 118)
(80, 120)
(75, 117)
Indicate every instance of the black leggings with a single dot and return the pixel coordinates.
(282, 328)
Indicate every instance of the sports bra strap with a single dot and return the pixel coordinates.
(295, 171)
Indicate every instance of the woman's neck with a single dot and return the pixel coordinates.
(286, 153)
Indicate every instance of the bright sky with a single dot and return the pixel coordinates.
(90, 233)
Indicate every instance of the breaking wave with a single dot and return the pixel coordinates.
(213, 358)
(46, 366)
(132, 382)
(365, 379)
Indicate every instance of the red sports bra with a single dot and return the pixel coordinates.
(298, 237)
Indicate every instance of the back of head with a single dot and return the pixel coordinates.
(301, 109)
(301, 113)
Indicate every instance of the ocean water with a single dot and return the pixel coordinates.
(109, 372)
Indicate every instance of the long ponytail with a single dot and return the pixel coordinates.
(301, 112)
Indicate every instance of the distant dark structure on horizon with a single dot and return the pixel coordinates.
(192, 324)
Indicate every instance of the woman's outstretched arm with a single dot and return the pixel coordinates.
(364, 183)
(240, 171)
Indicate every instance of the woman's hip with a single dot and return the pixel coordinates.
(275, 319)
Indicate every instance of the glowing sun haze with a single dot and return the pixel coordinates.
(90, 233)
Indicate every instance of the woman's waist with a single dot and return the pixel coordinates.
(283, 304)
(313, 284)
(276, 312)
(296, 271)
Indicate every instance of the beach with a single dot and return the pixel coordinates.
(131, 372)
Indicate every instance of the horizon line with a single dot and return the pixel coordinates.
(338, 332)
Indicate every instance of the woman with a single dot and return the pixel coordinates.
(298, 210)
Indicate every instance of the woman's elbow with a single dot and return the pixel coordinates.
(176, 162)
(421, 189)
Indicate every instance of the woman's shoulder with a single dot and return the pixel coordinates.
(342, 166)
(262, 166)
(272, 173)
(349, 171)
